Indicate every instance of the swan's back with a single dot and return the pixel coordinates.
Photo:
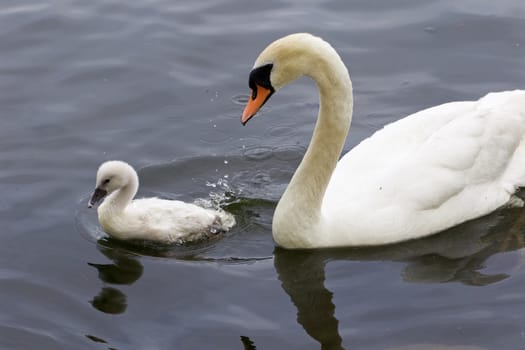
(431, 170)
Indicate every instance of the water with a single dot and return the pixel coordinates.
(161, 84)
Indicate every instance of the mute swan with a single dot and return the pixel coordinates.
(420, 175)
(154, 219)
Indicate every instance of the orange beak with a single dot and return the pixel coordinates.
(255, 102)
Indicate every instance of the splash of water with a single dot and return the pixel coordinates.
(221, 195)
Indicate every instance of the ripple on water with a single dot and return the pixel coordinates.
(279, 131)
(289, 152)
(257, 152)
(217, 137)
(240, 99)
(31, 323)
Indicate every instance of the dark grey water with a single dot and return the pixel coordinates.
(161, 84)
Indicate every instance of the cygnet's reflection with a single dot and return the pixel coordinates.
(457, 255)
(110, 301)
(124, 269)
(247, 343)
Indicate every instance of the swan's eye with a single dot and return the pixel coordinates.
(106, 181)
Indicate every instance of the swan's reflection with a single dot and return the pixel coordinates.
(302, 276)
(456, 255)
(124, 269)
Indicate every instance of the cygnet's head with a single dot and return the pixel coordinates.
(112, 176)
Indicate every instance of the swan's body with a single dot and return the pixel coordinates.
(420, 175)
(153, 219)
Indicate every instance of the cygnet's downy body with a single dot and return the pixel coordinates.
(152, 219)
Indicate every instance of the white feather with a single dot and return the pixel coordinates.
(420, 175)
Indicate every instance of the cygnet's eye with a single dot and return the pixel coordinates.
(106, 181)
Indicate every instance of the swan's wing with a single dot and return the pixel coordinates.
(429, 157)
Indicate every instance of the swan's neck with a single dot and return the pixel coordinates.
(299, 210)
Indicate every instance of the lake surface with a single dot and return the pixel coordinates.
(161, 84)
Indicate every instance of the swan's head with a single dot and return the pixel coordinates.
(112, 176)
(282, 62)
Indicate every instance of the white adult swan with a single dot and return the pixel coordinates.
(422, 174)
(153, 219)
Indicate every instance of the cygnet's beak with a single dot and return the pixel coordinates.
(97, 196)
